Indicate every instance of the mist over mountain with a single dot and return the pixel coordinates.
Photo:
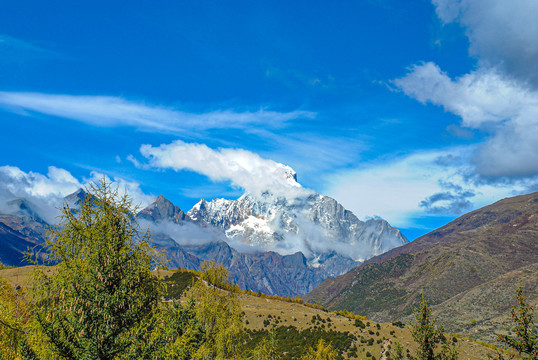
(297, 220)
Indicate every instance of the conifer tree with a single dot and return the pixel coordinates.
(323, 351)
(100, 301)
(427, 335)
(525, 341)
(266, 348)
(218, 311)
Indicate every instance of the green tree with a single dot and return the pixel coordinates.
(525, 341)
(266, 348)
(218, 311)
(100, 301)
(428, 336)
(14, 315)
(323, 351)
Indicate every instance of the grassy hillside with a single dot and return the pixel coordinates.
(468, 269)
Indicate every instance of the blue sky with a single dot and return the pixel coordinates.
(415, 111)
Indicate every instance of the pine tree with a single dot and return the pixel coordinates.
(525, 341)
(323, 351)
(427, 335)
(266, 348)
(101, 300)
(218, 311)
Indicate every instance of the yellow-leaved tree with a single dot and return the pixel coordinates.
(323, 351)
(218, 311)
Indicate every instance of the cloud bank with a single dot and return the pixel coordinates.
(47, 192)
(502, 33)
(109, 111)
(242, 168)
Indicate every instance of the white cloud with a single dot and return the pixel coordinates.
(243, 168)
(124, 186)
(47, 192)
(57, 182)
(109, 111)
(486, 100)
(502, 33)
(395, 189)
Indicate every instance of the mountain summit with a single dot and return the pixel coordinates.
(282, 241)
(161, 210)
(310, 223)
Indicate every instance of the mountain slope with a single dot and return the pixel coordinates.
(21, 230)
(478, 248)
(283, 244)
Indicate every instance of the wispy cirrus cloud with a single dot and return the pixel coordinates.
(13, 50)
(111, 111)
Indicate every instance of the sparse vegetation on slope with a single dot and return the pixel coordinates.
(455, 266)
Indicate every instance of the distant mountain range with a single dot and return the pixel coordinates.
(468, 269)
(277, 244)
(271, 244)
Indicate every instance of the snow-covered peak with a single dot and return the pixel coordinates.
(307, 222)
(289, 174)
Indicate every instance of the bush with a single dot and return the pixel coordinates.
(359, 324)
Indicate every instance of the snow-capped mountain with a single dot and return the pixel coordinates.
(314, 224)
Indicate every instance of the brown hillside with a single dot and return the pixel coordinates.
(456, 261)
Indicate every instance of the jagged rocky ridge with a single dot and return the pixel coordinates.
(288, 244)
(313, 223)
